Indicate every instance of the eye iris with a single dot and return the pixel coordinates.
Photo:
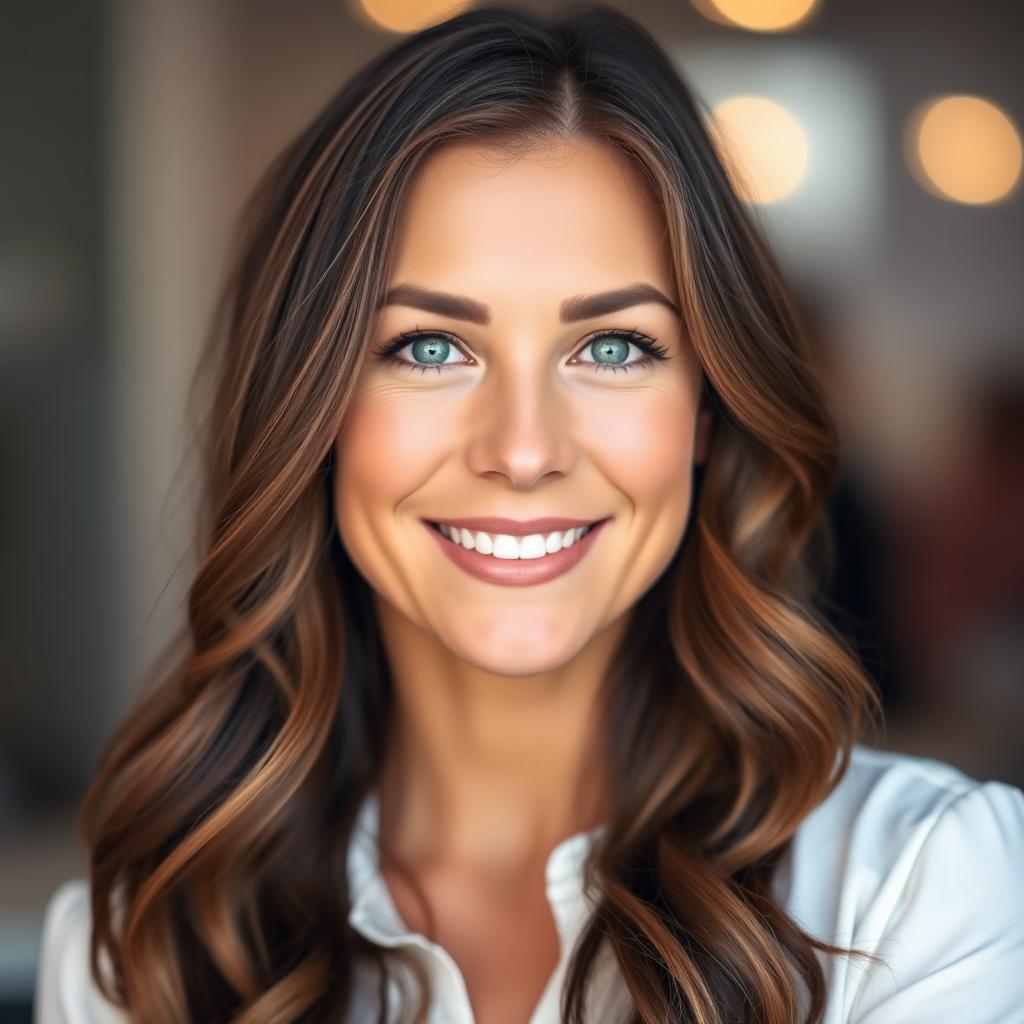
(432, 350)
(609, 349)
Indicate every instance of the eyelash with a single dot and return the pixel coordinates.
(654, 351)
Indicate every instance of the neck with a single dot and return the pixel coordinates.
(487, 771)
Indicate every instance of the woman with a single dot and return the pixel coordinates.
(505, 697)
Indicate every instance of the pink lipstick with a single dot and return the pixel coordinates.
(517, 572)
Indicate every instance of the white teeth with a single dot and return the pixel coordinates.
(504, 545)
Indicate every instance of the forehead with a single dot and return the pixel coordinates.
(569, 216)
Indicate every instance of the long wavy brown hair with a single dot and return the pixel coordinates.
(223, 805)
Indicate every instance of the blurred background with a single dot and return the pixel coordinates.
(877, 142)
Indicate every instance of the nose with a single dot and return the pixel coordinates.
(521, 427)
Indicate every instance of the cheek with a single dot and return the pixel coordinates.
(379, 458)
(644, 443)
(388, 447)
(645, 450)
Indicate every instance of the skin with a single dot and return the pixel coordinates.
(493, 761)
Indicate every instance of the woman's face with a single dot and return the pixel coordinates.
(510, 408)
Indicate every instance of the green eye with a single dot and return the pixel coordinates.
(431, 349)
(611, 347)
(609, 350)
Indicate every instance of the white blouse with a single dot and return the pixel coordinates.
(907, 858)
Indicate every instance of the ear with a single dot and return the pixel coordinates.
(702, 433)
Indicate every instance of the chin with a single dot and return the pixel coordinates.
(517, 651)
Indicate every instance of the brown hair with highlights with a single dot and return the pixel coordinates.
(225, 800)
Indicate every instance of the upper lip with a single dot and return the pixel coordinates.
(516, 527)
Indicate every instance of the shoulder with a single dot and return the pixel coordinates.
(912, 860)
(885, 814)
(65, 991)
(889, 802)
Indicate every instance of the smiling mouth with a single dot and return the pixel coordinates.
(516, 561)
(513, 547)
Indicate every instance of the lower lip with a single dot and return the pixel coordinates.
(517, 572)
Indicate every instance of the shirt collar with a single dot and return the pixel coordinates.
(373, 911)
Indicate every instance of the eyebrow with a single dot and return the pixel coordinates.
(579, 307)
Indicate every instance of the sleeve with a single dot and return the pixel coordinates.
(954, 945)
(65, 992)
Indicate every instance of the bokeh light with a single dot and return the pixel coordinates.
(763, 145)
(964, 149)
(758, 15)
(410, 15)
